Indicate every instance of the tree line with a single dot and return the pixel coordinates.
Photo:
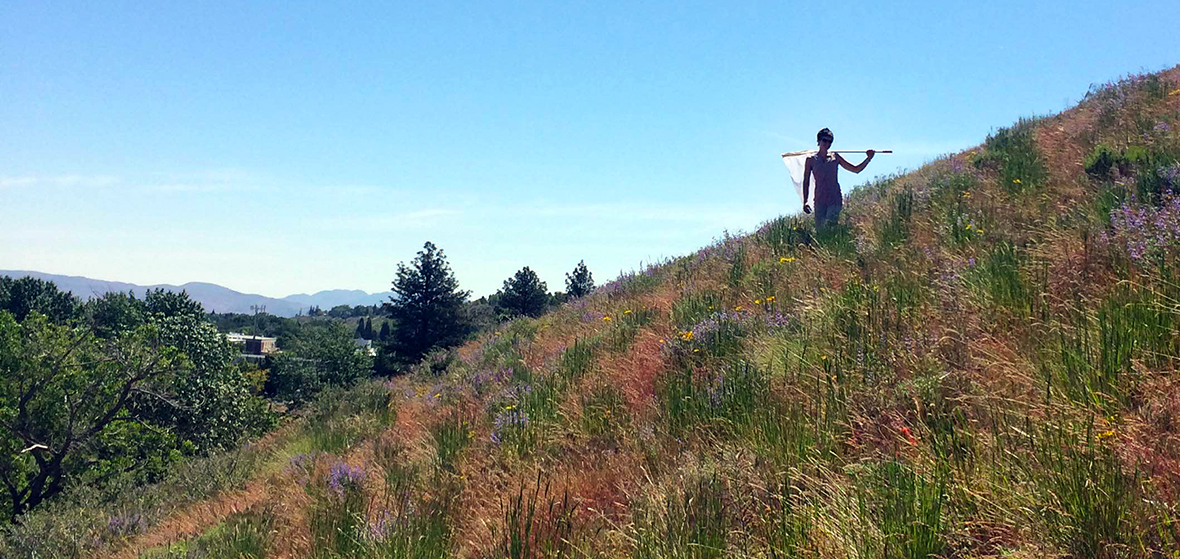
(429, 311)
(112, 392)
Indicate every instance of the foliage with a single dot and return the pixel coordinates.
(320, 356)
(426, 307)
(65, 404)
(523, 295)
(579, 282)
(25, 295)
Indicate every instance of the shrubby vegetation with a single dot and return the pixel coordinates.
(117, 389)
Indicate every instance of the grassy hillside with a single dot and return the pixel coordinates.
(981, 362)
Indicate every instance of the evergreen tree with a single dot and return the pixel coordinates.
(368, 328)
(524, 294)
(384, 332)
(579, 283)
(360, 329)
(426, 306)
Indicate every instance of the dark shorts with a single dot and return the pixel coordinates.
(827, 215)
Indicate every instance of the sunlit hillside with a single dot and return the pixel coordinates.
(980, 362)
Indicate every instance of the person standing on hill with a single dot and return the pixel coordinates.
(823, 165)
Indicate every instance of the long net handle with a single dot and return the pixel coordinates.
(840, 151)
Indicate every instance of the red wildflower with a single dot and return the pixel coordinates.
(909, 436)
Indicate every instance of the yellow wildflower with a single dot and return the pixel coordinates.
(687, 336)
(438, 394)
(1105, 435)
(737, 308)
(1176, 92)
(757, 301)
(628, 311)
(510, 407)
(979, 231)
(968, 227)
(695, 350)
(966, 194)
(1016, 181)
(823, 357)
(770, 299)
(606, 319)
(785, 259)
(662, 341)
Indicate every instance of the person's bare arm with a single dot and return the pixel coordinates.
(855, 168)
(806, 184)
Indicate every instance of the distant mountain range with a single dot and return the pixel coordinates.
(212, 296)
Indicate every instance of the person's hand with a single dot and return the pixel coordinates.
(806, 209)
(870, 153)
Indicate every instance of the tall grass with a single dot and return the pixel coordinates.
(1012, 153)
(1086, 497)
(908, 509)
(536, 524)
(785, 234)
(247, 535)
(687, 523)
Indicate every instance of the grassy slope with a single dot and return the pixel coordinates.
(972, 367)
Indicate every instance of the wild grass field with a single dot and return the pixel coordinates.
(980, 362)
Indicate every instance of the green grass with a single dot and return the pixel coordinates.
(246, 535)
(786, 234)
(536, 524)
(451, 436)
(907, 507)
(1012, 154)
(1086, 497)
(688, 523)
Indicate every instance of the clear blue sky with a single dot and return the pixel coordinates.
(289, 147)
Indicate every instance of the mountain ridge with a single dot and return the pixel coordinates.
(212, 296)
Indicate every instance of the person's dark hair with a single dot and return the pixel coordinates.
(824, 134)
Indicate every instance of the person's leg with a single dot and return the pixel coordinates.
(826, 216)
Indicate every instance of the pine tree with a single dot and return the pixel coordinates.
(579, 282)
(426, 306)
(368, 329)
(360, 329)
(524, 294)
(384, 332)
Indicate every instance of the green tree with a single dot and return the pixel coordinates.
(384, 336)
(65, 403)
(579, 283)
(524, 294)
(210, 407)
(319, 357)
(115, 313)
(25, 295)
(426, 306)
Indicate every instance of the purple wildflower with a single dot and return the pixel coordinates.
(125, 526)
(508, 419)
(342, 478)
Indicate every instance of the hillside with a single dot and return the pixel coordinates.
(980, 363)
(213, 297)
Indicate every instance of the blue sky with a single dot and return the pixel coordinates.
(289, 147)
